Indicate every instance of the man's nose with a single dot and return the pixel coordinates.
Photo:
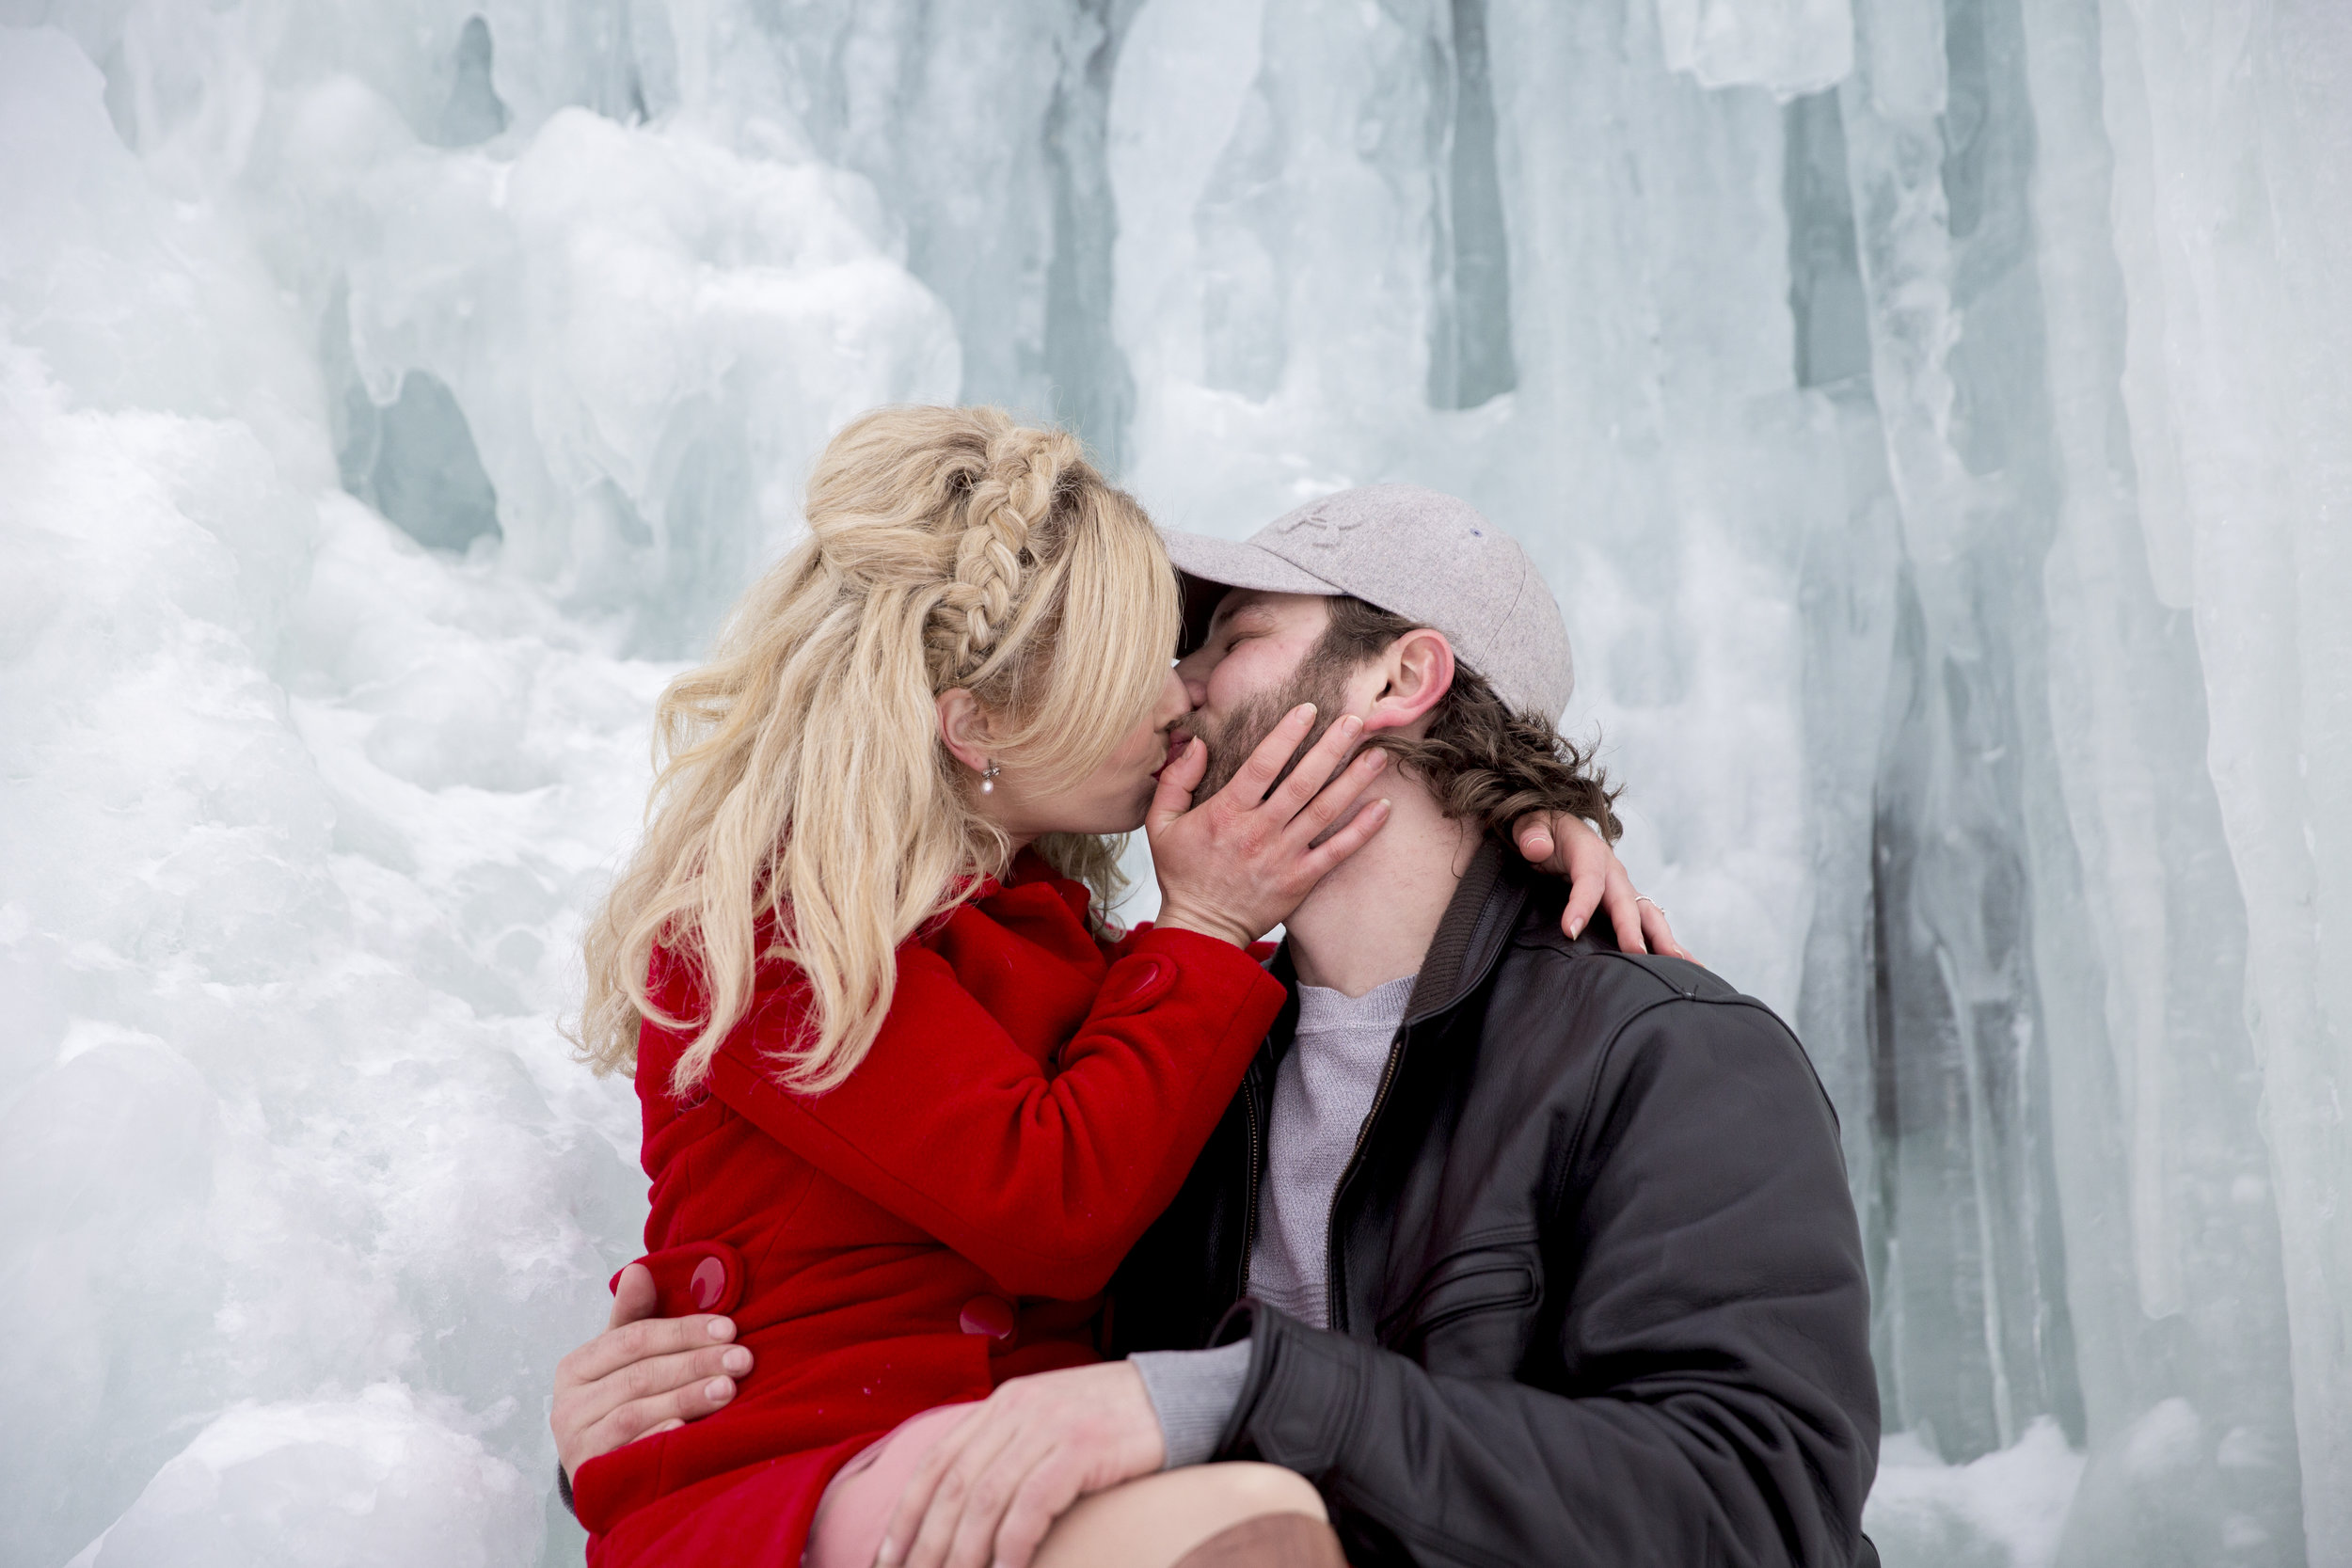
(1193, 670)
(1176, 700)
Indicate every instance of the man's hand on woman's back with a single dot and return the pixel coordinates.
(642, 1375)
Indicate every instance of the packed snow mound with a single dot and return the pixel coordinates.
(2005, 1510)
(367, 1482)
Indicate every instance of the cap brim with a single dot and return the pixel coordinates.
(1238, 565)
(1209, 566)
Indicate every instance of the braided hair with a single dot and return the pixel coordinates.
(1000, 507)
(804, 806)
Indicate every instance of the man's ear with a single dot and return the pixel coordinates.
(964, 729)
(1419, 671)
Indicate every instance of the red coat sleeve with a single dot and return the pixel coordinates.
(1259, 951)
(1044, 1177)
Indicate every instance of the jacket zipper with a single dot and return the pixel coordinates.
(1335, 1305)
(1250, 1186)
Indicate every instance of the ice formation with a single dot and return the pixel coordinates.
(1931, 413)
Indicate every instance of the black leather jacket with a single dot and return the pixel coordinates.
(1596, 1288)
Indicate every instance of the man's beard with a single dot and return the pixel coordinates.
(1252, 720)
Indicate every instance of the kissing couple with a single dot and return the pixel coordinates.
(1474, 1223)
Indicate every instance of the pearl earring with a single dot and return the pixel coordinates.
(987, 779)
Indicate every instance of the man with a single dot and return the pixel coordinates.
(1521, 1248)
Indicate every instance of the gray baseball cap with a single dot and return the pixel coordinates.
(1413, 552)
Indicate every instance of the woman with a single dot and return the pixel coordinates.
(907, 1102)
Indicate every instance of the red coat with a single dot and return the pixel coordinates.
(941, 1222)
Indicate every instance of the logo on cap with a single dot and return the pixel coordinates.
(1322, 528)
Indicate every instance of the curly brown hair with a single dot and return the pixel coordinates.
(1484, 760)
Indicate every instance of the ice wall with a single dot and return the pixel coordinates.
(304, 1193)
(1844, 345)
(1932, 413)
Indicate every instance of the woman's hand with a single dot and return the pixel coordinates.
(1567, 847)
(1237, 866)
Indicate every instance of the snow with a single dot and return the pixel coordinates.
(1932, 413)
(371, 1480)
(2007, 1507)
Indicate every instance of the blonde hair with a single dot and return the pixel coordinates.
(800, 777)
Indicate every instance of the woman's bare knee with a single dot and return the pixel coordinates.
(1254, 1489)
(1154, 1521)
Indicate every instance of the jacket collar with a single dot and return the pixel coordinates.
(1479, 918)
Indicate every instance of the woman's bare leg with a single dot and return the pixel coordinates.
(1155, 1521)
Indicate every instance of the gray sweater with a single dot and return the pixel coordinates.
(1321, 1093)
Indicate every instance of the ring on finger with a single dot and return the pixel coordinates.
(1645, 899)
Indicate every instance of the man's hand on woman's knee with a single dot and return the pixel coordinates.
(988, 1492)
(642, 1375)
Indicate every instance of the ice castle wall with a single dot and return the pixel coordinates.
(1932, 413)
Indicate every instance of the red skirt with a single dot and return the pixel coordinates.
(756, 1517)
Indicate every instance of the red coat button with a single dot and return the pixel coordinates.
(709, 1284)
(700, 1276)
(1133, 984)
(989, 1315)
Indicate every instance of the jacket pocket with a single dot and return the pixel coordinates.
(1479, 1280)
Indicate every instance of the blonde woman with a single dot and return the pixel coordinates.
(906, 1099)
